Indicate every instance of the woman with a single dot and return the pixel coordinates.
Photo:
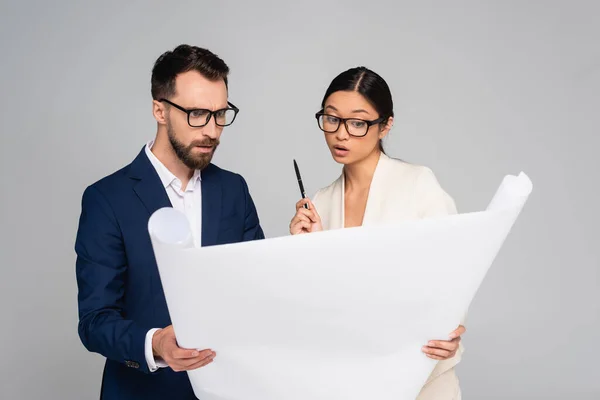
(357, 113)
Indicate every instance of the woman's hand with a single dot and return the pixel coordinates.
(444, 349)
(305, 221)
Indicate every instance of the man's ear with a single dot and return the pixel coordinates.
(159, 111)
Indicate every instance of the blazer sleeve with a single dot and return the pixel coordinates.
(252, 228)
(101, 269)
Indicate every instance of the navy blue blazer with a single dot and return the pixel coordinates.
(120, 293)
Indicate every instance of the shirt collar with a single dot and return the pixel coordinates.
(167, 177)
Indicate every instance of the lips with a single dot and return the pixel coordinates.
(205, 149)
(340, 151)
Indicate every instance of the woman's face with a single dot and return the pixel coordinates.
(346, 148)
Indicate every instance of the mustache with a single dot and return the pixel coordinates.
(205, 142)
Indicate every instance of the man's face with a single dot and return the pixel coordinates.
(194, 146)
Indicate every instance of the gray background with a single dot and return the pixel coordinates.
(482, 89)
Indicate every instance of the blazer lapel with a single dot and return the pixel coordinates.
(336, 205)
(211, 205)
(375, 202)
(149, 188)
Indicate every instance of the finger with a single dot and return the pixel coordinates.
(300, 225)
(299, 230)
(310, 214)
(305, 226)
(295, 220)
(435, 357)
(449, 345)
(300, 204)
(183, 354)
(436, 352)
(187, 363)
(458, 332)
(200, 364)
(304, 217)
(296, 224)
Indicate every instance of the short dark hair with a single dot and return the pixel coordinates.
(182, 59)
(369, 84)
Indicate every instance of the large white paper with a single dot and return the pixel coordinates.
(339, 314)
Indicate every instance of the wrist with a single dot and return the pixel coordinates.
(155, 343)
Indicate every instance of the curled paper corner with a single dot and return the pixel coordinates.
(521, 183)
(526, 184)
(512, 193)
(171, 227)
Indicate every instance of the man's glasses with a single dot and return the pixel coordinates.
(199, 117)
(354, 126)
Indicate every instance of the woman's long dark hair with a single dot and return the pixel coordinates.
(369, 84)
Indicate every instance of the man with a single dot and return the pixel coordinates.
(122, 309)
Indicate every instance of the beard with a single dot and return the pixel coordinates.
(186, 153)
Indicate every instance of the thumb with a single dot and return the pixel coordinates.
(458, 332)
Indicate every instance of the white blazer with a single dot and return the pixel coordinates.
(399, 192)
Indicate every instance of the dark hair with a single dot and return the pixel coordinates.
(369, 84)
(182, 59)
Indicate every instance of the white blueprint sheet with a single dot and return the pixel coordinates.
(339, 314)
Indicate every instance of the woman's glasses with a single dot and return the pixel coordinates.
(354, 126)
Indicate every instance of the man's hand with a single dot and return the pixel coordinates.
(444, 349)
(164, 345)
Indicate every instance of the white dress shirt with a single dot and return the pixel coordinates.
(188, 201)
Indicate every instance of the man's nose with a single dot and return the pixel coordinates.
(211, 129)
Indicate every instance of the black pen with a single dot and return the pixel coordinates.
(300, 183)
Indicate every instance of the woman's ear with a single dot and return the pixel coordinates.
(386, 129)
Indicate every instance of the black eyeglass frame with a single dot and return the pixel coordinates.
(345, 121)
(188, 111)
